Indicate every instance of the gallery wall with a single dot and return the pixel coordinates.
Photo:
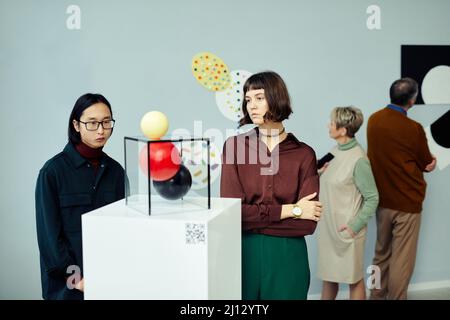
(139, 54)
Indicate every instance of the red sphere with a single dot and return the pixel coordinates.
(164, 160)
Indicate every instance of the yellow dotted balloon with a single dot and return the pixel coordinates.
(211, 72)
(154, 124)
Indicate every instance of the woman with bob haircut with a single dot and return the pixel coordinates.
(350, 198)
(275, 176)
(79, 179)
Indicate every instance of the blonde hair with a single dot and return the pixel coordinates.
(350, 118)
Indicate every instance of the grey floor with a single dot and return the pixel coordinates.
(434, 294)
(430, 294)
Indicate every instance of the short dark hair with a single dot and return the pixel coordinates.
(83, 102)
(276, 93)
(403, 90)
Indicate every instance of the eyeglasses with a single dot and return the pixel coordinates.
(93, 125)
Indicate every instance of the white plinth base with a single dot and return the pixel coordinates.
(182, 255)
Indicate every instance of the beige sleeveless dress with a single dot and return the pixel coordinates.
(340, 257)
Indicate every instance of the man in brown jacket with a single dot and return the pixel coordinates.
(399, 154)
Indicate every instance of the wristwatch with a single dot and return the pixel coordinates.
(297, 211)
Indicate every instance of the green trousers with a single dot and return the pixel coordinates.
(274, 268)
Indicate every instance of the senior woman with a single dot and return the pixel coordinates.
(350, 197)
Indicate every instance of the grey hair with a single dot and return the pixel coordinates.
(350, 118)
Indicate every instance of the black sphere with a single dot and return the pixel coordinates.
(176, 187)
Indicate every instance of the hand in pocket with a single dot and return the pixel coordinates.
(348, 230)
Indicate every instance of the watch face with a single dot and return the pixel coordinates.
(297, 211)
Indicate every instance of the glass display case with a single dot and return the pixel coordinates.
(164, 176)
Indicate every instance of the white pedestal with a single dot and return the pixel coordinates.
(189, 255)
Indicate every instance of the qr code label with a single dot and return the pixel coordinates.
(195, 233)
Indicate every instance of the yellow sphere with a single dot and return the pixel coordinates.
(154, 124)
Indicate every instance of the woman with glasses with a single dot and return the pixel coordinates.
(79, 179)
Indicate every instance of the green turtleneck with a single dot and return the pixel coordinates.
(365, 182)
(348, 145)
